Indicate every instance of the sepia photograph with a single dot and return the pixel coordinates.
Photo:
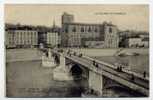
(76, 50)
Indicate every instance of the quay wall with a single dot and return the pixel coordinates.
(110, 52)
(12, 55)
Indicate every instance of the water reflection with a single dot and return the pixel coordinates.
(69, 89)
(32, 74)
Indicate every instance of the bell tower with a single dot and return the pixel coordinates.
(67, 18)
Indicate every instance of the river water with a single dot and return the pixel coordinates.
(31, 79)
(137, 64)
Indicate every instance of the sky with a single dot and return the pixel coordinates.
(126, 17)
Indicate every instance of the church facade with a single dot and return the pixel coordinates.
(77, 34)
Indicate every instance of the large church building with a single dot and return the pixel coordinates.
(79, 34)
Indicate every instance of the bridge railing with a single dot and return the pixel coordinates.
(111, 66)
(115, 67)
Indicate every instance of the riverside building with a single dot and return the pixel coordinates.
(53, 36)
(77, 34)
(21, 38)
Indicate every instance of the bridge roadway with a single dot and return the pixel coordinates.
(138, 84)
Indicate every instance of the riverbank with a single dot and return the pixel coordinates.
(34, 53)
(26, 77)
(110, 52)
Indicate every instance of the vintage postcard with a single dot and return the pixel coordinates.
(83, 50)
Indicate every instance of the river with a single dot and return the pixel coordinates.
(31, 79)
(137, 64)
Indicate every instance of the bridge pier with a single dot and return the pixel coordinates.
(61, 72)
(96, 82)
(48, 60)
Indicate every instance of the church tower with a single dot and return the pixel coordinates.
(67, 18)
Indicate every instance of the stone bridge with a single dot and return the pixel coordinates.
(100, 76)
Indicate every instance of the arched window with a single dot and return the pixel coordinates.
(89, 30)
(74, 29)
(82, 29)
(110, 30)
(96, 30)
(66, 30)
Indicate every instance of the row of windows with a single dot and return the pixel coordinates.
(22, 42)
(22, 36)
(11, 39)
(27, 33)
(75, 40)
(74, 29)
(112, 43)
(83, 29)
(110, 30)
(111, 37)
(51, 40)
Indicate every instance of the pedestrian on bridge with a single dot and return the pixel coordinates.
(120, 68)
(46, 54)
(80, 55)
(132, 77)
(68, 52)
(144, 74)
(94, 63)
(97, 65)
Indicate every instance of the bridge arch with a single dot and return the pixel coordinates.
(76, 70)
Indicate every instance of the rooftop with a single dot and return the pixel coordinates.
(88, 24)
